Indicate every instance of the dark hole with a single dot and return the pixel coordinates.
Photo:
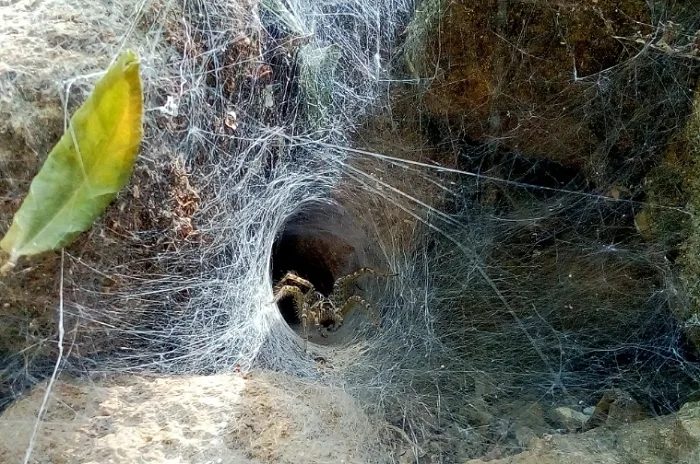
(296, 252)
(319, 244)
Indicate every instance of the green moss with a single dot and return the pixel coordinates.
(316, 70)
(689, 258)
(664, 219)
(417, 47)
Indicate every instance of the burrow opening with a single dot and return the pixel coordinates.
(320, 242)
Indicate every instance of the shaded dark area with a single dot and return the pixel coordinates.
(562, 116)
(540, 178)
(319, 243)
(20, 376)
(660, 358)
(589, 293)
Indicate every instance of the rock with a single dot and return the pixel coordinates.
(685, 299)
(568, 418)
(614, 409)
(669, 439)
(406, 456)
(529, 422)
(625, 410)
(227, 418)
(525, 436)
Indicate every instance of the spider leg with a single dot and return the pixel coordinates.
(317, 311)
(290, 290)
(291, 277)
(343, 282)
(305, 324)
(300, 305)
(358, 300)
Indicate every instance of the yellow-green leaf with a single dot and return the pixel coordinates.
(87, 167)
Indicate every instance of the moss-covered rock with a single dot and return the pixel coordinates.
(670, 439)
(688, 310)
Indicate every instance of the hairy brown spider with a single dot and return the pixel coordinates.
(327, 312)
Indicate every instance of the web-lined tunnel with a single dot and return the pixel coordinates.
(321, 242)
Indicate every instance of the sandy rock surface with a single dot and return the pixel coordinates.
(272, 418)
(232, 419)
(669, 439)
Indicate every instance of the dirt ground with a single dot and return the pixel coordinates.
(263, 417)
(233, 419)
(664, 440)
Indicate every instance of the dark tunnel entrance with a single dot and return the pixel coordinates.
(320, 243)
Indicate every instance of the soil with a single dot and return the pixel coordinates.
(242, 418)
(667, 440)
(262, 417)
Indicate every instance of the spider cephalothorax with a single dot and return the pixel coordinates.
(326, 311)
